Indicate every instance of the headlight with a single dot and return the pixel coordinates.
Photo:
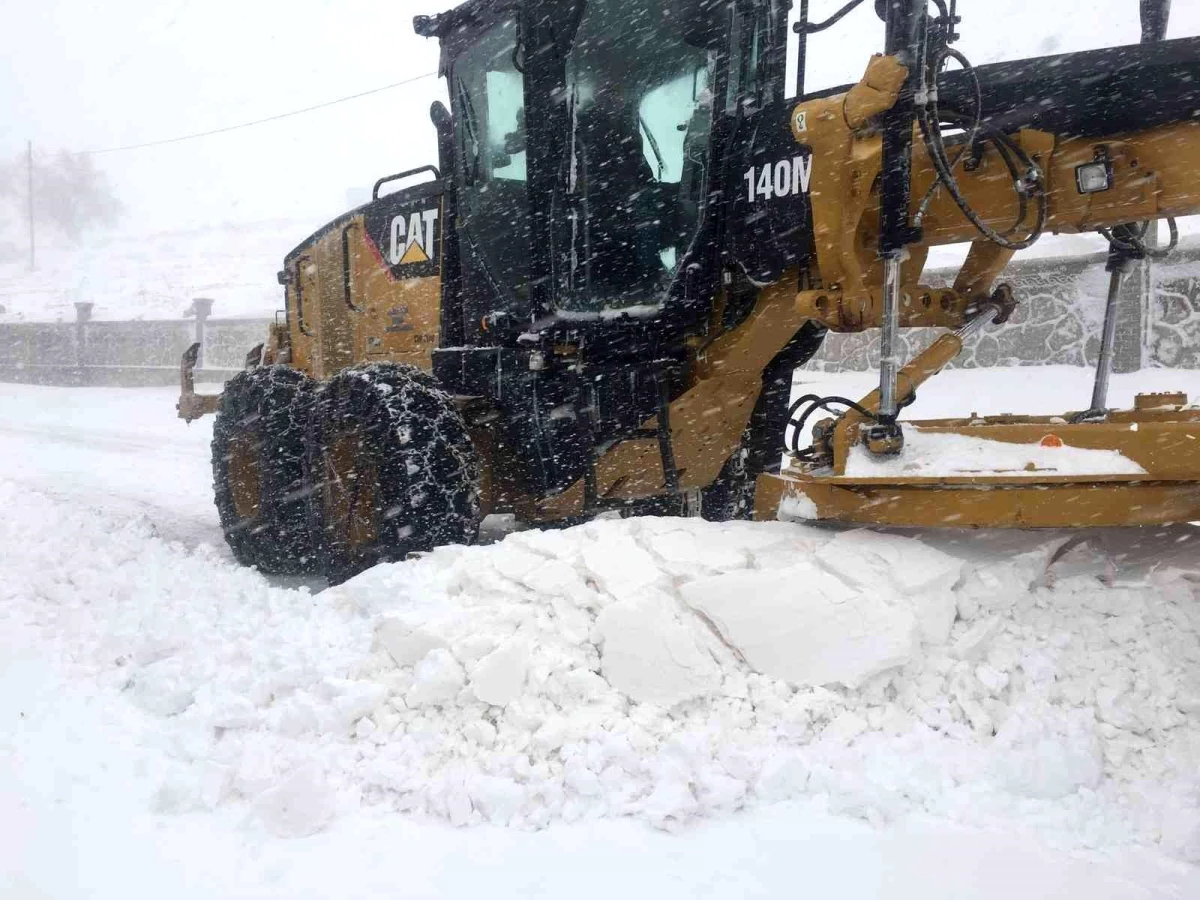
(1093, 177)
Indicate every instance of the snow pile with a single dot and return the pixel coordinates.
(654, 668)
(936, 454)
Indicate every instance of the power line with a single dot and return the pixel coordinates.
(275, 118)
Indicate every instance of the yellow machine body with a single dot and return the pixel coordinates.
(348, 303)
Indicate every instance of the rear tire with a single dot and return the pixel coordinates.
(258, 470)
(396, 469)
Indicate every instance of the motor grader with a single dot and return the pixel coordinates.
(596, 300)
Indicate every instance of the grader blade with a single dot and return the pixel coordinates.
(1093, 468)
(1140, 467)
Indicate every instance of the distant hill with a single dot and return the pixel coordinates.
(155, 275)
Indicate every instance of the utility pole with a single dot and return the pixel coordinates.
(29, 171)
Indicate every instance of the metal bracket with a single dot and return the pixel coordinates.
(192, 406)
(254, 358)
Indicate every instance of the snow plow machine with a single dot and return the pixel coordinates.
(596, 300)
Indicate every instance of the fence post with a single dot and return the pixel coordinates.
(83, 315)
(202, 307)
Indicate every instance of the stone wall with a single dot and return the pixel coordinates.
(1058, 322)
(1175, 321)
(135, 353)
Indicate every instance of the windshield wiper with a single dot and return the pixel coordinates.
(471, 119)
(662, 166)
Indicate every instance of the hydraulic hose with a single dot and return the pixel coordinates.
(929, 119)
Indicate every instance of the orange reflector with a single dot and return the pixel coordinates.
(1052, 440)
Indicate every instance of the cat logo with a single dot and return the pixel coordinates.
(412, 238)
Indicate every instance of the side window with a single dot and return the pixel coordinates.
(737, 53)
(745, 60)
(506, 124)
(489, 98)
(667, 114)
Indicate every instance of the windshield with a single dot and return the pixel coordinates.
(642, 117)
(490, 94)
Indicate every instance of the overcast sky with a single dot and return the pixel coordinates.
(77, 74)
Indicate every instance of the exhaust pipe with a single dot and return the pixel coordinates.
(1155, 16)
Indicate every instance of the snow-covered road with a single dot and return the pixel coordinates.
(119, 450)
(648, 708)
(126, 452)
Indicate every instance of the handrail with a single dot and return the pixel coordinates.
(347, 287)
(806, 27)
(400, 175)
(300, 295)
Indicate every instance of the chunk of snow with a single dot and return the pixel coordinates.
(795, 506)
(974, 642)
(499, 799)
(1047, 759)
(302, 804)
(499, 677)
(437, 679)
(805, 626)
(618, 563)
(161, 696)
(404, 644)
(923, 574)
(651, 654)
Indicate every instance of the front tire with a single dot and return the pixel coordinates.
(395, 466)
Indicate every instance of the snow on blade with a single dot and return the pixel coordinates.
(661, 669)
(930, 454)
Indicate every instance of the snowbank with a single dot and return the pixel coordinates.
(656, 668)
